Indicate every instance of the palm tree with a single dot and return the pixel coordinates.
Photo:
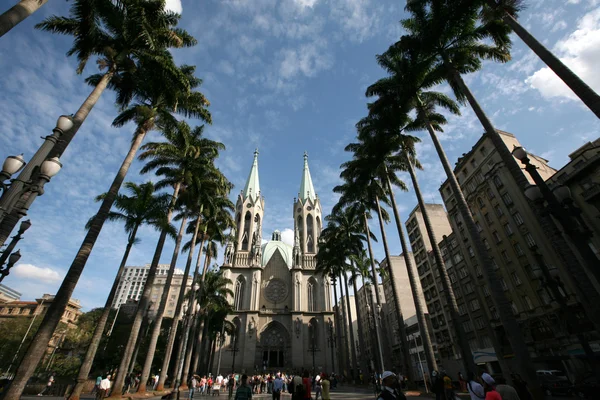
(214, 184)
(127, 37)
(355, 272)
(17, 13)
(507, 11)
(174, 159)
(143, 206)
(55, 311)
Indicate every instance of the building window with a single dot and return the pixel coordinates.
(486, 342)
(530, 241)
(503, 284)
(519, 250)
(499, 211)
(452, 278)
(474, 305)
(515, 310)
(490, 193)
(494, 263)
(498, 181)
(507, 199)
(508, 229)
(480, 202)
(486, 244)
(483, 150)
(473, 344)
(463, 273)
(468, 288)
(487, 218)
(486, 291)
(468, 326)
(471, 252)
(238, 301)
(494, 313)
(479, 323)
(479, 228)
(497, 236)
(518, 219)
(505, 256)
(516, 279)
(462, 309)
(457, 258)
(528, 302)
(478, 271)
(312, 298)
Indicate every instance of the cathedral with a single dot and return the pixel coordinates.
(282, 309)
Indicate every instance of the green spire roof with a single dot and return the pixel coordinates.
(307, 190)
(252, 187)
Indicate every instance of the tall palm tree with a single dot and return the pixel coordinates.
(213, 185)
(142, 206)
(174, 159)
(17, 13)
(55, 311)
(508, 11)
(125, 37)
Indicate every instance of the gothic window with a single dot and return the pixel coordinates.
(300, 226)
(313, 334)
(238, 301)
(247, 234)
(311, 295)
(318, 226)
(310, 243)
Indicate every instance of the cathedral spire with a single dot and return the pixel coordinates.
(307, 190)
(252, 188)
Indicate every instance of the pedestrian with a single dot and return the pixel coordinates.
(463, 383)
(243, 392)
(521, 387)
(48, 387)
(156, 379)
(277, 387)
(448, 389)
(307, 384)
(507, 392)
(437, 385)
(97, 385)
(104, 388)
(297, 388)
(193, 385)
(489, 386)
(231, 386)
(390, 387)
(318, 387)
(474, 388)
(203, 385)
(325, 386)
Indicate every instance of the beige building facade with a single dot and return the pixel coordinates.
(366, 304)
(283, 312)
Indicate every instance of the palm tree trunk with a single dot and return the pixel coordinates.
(463, 342)
(585, 93)
(347, 356)
(374, 311)
(48, 149)
(213, 347)
(144, 327)
(203, 346)
(144, 301)
(362, 333)
(86, 365)
(351, 331)
(201, 331)
(38, 345)
(398, 311)
(414, 284)
(161, 309)
(195, 321)
(17, 13)
(174, 324)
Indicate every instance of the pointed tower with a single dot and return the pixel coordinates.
(248, 217)
(307, 220)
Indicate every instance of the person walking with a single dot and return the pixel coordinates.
(203, 385)
(97, 385)
(474, 388)
(489, 385)
(325, 386)
(244, 391)
(437, 385)
(104, 388)
(193, 385)
(48, 387)
(297, 388)
(448, 388)
(463, 383)
(506, 391)
(390, 387)
(318, 387)
(306, 382)
(277, 387)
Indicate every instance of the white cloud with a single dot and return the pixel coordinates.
(306, 3)
(308, 59)
(287, 236)
(174, 5)
(579, 51)
(30, 271)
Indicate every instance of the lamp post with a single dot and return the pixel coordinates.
(27, 181)
(234, 350)
(313, 348)
(560, 205)
(221, 340)
(331, 343)
(413, 337)
(14, 257)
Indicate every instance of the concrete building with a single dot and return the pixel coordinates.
(132, 284)
(516, 242)
(366, 303)
(407, 304)
(415, 345)
(283, 311)
(17, 309)
(7, 294)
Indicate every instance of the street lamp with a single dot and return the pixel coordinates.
(331, 343)
(33, 175)
(14, 257)
(559, 204)
(313, 349)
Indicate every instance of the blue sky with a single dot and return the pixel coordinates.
(285, 76)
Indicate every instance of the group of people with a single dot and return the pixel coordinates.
(299, 386)
(208, 386)
(480, 387)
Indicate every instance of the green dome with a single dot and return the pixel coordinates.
(269, 248)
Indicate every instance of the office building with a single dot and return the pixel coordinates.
(7, 294)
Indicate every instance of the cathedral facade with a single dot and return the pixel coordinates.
(283, 314)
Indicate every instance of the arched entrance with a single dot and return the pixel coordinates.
(273, 347)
